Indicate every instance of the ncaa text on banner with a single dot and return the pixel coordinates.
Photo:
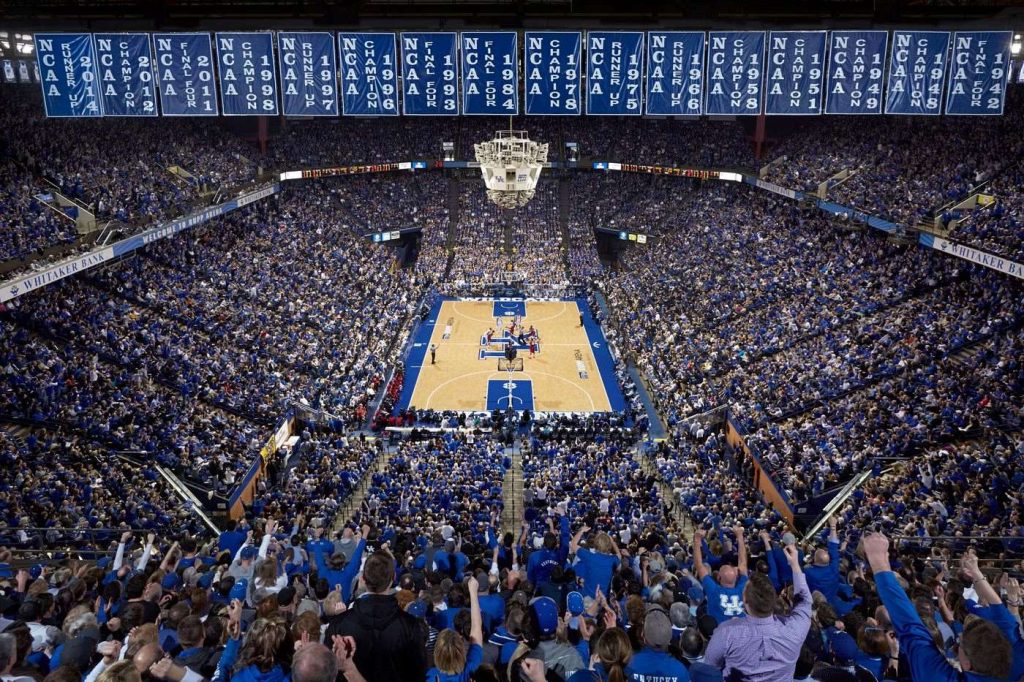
(184, 74)
(675, 73)
(125, 64)
(307, 69)
(615, 67)
(735, 80)
(67, 65)
(795, 72)
(917, 72)
(248, 75)
(553, 74)
(856, 72)
(430, 74)
(490, 72)
(978, 73)
(369, 74)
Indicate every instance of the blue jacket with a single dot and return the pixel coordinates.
(344, 576)
(825, 579)
(648, 664)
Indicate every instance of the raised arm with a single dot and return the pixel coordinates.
(741, 549)
(698, 554)
(574, 544)
(476, 625)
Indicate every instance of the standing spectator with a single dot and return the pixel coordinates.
(823, 575)
(725, 595)
(453, 661)
(764, 646)
(390, 643)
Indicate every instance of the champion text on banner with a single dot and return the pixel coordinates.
(675, 73)
(735, 80)
(430, 74)
(553, 74)
(248, 75)
(369, 74)
(917, 71)
(67, 64)
(184, 74)
(796, 71)
(307, 70)
(490, 72)
(856, 72)
(615, 67)
(978, 72)
(125, 64)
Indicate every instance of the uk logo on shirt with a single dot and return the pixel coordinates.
(731, 605)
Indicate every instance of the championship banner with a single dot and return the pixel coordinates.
(67, 63)
(796, 73)
(856, 68)
(309, 85)
(917, 72)
(978, 73)
(615, 68)
(735, 73)
(490, 72)
(553, 73)
(248, 82)
(184, 74)
(125, 62)
(430, 74)
(369, 74)
(9, 75)
(675, 73)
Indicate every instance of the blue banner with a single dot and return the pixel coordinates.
(369, 74)
(184, 73)
(796, 72)
(553, 73)
(125, 62)
(675, 73)
(856, 68)
(490, 72)
(67, 64)
(735, 73)
(615, 69)
(248, 79)
(309, 84)
(978, 73)
(917, 72)
(430, 74)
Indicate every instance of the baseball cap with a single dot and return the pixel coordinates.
(248, 553)
(206, 580)
(417, 608)
(657, 630)
(695, 594)
(843, 646)
(35, 571)
(484, 581)
(546, 611)
(574, 603)
(171, 582)
(239, 589)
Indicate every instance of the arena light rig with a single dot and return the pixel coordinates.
(511, 165)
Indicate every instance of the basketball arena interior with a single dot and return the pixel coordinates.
(511, 340)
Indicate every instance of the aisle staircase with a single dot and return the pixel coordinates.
(355, 500)
(512, 492)
(679, 515)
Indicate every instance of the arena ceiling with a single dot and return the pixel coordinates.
(500, 13)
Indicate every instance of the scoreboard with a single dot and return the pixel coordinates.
(544, 73)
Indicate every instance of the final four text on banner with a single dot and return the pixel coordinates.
(675, 73)
(553, 73)
(67, 64)
(309, 86)
(430, 74)
(856, 69)
(125, 62)
(796, 72)
(615, 69)
(917, 72)
(369, 74)
(735, 73)
(978, 72)
(490, 72)
(184, 74)
(248, 75)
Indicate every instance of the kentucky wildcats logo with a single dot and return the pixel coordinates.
(731, 606)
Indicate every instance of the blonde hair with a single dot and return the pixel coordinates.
(450, 652)
(603, 543)
(122, 671)
(263, 642)
(614, 651)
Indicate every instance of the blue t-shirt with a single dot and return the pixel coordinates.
(474, 657)
(597, 571)
(724, 602)
(649, 664)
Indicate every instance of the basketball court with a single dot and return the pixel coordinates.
(571, 371)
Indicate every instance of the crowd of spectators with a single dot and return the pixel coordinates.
(996, 228)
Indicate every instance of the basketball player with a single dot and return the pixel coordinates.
(490, 337)
(533, 348)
